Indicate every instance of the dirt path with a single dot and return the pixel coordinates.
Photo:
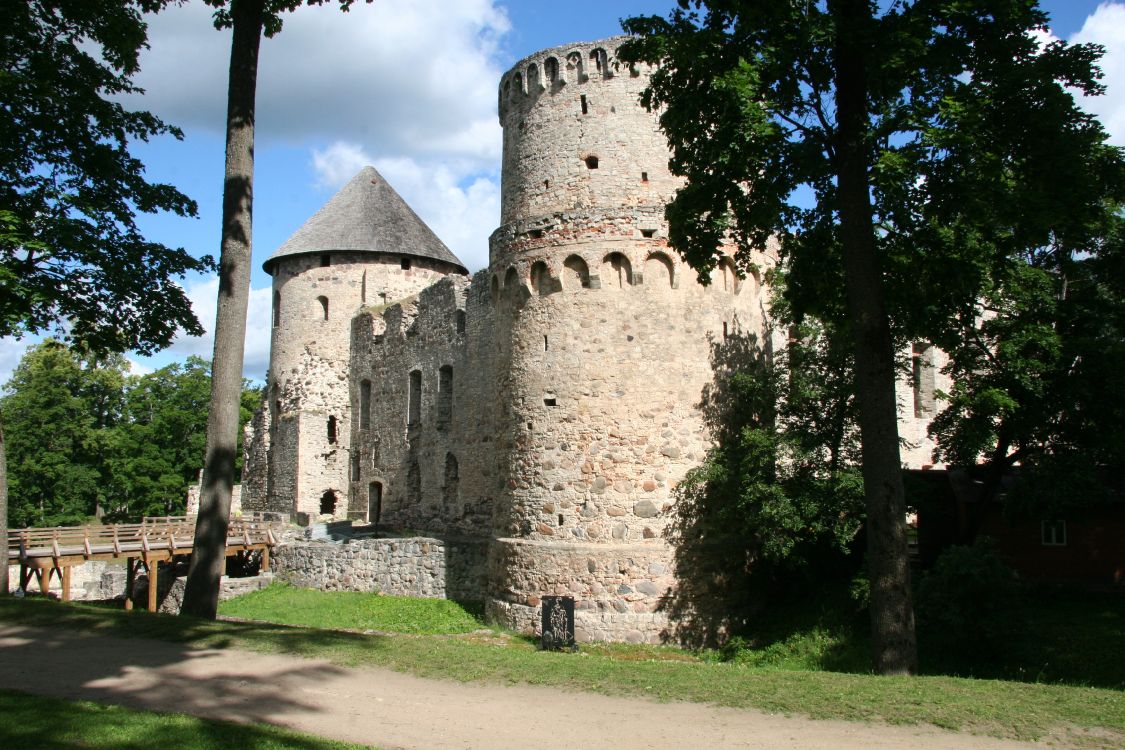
(393, 710)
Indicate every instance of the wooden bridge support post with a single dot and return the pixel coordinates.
(153, 567)
(66, 582)
(265, 560)
(130, 581)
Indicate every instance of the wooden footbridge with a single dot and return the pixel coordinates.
(44, 552)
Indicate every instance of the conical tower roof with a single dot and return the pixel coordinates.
(367, 215)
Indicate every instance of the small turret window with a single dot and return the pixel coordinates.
(585, 106)
(323, 306)
(591, 162)
(276, 309)
(325, 261)
(332, 430)
(405, 264)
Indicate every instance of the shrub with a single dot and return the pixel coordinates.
(967, 606)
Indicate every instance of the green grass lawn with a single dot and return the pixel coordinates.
(1021, 710)
(349, 610)
(39, 722)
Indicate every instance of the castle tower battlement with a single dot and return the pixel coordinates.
(576, 139)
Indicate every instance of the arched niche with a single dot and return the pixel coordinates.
(659, 273)
(617, 272)
(576, 274)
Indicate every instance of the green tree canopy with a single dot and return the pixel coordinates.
(942, 148)
(87, 439)
(70, 249)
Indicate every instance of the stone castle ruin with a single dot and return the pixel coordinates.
(540, 413)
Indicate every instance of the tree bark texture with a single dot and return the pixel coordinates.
(892, 613)
(201, 595)
(3, 515)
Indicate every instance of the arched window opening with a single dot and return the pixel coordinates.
(551, 68)
(276, 309)
(576, 275)
(574, 67)
(445, 396)
(323, 306)
(540, 278)
(414, 409)
(495, 291)
(511, 280)
(328, 503)
(449, 486)
(460, 321)
(533, 83)
(332, 430)
(616, 272)
(599, 61)
(518, 83)
(585, 107)
(728, 275)
(365, 405)
(591, 162)
(658, 271)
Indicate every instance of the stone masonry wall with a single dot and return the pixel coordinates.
(416, 566)
(308, 419)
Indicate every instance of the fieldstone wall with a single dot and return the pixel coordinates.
(409, 566)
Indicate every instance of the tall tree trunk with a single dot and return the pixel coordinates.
(3, 514)
(201, 595)
(892, 614)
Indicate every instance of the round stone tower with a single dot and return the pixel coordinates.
(365, 247)
(608, 344)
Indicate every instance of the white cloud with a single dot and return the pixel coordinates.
(459, 203)
(11, 352)
(338, 163)
(203, 296)
(1107, 27)
(411, 78)
(136, 367)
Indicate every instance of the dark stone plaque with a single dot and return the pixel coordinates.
(558, 623)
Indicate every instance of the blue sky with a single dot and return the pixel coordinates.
(406, 85)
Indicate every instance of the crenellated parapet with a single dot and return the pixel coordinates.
(576, 137)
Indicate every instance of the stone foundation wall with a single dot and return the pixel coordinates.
(93, 581)
(414, 566)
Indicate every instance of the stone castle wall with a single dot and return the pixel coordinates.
(545, 409)
(418, 566)
(307, 416)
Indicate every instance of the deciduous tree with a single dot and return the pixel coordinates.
(247, 19)
(928, 134)
(71, 255)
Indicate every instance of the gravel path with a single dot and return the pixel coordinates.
(393, 710)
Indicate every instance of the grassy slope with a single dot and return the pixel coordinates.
(39, 722)
(1005, 709)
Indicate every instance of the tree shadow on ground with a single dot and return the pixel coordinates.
(144, 661)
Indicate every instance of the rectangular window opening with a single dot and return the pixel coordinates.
(648, 233)
(585, 108)
(1053, 533)
(644, 176)
(405, 263)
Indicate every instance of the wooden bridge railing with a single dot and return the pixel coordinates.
(42, 551)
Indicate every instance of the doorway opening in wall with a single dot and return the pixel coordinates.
(374, 504)
(328, 503)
